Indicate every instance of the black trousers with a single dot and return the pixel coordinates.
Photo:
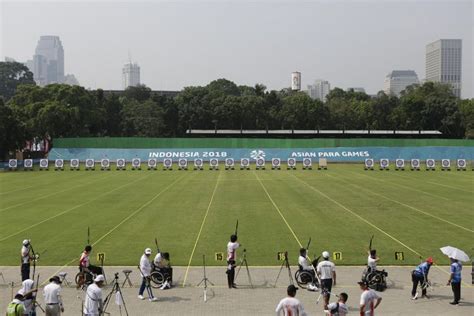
(456, 287)
(25, 271)
(230, 274)
(417, 279)
(326, 286)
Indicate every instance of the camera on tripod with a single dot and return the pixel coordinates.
(116, 276)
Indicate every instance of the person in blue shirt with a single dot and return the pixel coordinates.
(420, 275)
(455, 280)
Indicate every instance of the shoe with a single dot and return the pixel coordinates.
(415, 296)
(234, 286)
(141, 297)
(312, 287)
(454, 303)
(153, 299)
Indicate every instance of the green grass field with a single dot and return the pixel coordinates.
(193, 213)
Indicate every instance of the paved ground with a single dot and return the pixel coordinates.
(262, 299)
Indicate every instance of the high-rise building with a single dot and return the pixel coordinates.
(130, 75)
(397, 81)
(444, 63)
(319, 90)
(48, 61)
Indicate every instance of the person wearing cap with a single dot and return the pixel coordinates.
(420, 275)
(305, 264)
(93, 304)
(145, 270)
(52, 297)
(455, 280)
(26, 257)
(369, 300)
(232, 246)
(338, 308)
(327, 274)
(29, 294)
(290, 306)
(16, 307)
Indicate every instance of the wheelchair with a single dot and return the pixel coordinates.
(304, 277)
(158, 276)
(377, 280)
(85, 278)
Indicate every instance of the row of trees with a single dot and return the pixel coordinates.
(29, 111)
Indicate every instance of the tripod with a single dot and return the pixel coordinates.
(286, 264)
(117, 291)
(204, 279)
(243, 261)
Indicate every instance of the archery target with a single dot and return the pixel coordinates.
(446, 163)
(28, 163)
(75, 163)
(244, 162)
(384, 163)
(121, 163)
(307, 162)
(229, 162)
(430, 163)
(152, 163)
(12, 163)
(461, 163)
(58, 163)
(260, 162)
(44, 163)
(183, 163)
(136, 162)
(198, 163)
(276, 162)
(105, 163)
(291, 162)
(400, 163)
(415, 163)
(369, 163)
(214, 162)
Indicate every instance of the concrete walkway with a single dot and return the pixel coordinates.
(262, 299)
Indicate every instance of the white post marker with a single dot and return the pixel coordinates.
(445, 165)
(260, 163)
(323, 164)
(75, 165)
(136, 164)
(105, 164)
(461, 164)
(307, 164)
(44, 164)
(59, 164)
(121, 164)
(399, 164)
(430, 164)
(384, 164)
(276, 163)
(182, 164)
(198, 163)
(245, 164)
(214, 164)
(415, 164)
(291, 164)
(369, 164)
(229, 164)
(28, 164)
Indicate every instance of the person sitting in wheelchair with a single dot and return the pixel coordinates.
(88, 270)
(304, 264)
(375, 278)
(162, 264)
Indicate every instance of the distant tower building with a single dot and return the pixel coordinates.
(130, 75)
(319, 90)
(443, 63)
(296, 81)
(398, 80)
(48, 61)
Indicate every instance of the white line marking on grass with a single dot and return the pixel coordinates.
(70, 209)
(278, 210)
(20, 189)
(200, 229)
(119, 224)
(403, 204)
(53, 193)
(368, 223)
(449, 186)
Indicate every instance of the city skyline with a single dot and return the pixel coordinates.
(273, 41)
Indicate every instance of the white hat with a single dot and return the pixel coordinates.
(99, 278)
(148, 251)
(26, 242)
(325, 254)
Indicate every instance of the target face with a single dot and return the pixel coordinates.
(198, 162)
(244, 162)
(229, 162)
(291, 162)
(276, 162)
(400, 163)
(430, 163)
(461, 163)
(415, 163)
(260, 162)
(214, 162)
(152, 163)
(59, 163)
(89, 163)
(12, 163)
(44, 163)
(136, 162)
(105, 163)
(28, 163)
(307, 162)
(75, 163)
(121, 163)
(369, 163)
(384, 163)
(182, 162)
(446, 163)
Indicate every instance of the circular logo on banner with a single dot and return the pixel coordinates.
(415, 163)
(43, 163)
(213, 162)
(256, 154)
(105, 163)
(182, 162)
(198, 162)
(28, 163)
(461, 162)
(135, 162)
(430, 162)
(399, 162)
(12, 163)
(291, 162)
(120, 162)
(229, 161)
(384, 162)
(445, 163)
(369, 162)
(306, 161)
(89, 163)
(245, 162)
(59, 163)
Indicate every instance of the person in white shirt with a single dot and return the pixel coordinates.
(52, 297)
(145, 270)
(290, 306)
(327, 274)
(304, 264)
(93, 304)
(232, 246)
(26, 257)
(338, 308)
(29, 295)
(372, 260)
(369, 300)
(162, 263)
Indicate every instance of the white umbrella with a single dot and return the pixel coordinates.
(455, 253)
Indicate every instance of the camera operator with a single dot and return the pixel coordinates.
(93, 304)
(26, 257)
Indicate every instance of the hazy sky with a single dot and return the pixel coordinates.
(183, 43)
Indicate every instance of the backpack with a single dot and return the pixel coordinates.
(335, 310)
